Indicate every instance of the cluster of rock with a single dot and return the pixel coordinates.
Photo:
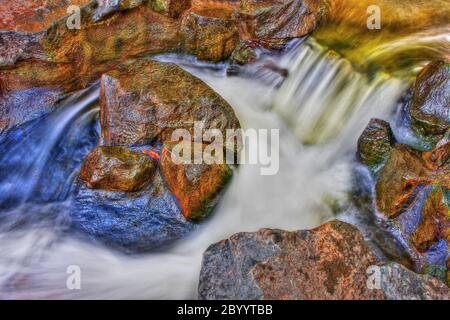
(141, 104)
(412, 186)
(60, 60)
(125, 197)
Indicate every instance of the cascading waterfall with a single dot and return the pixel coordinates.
(325, 95)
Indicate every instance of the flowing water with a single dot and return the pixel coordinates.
(320, 110)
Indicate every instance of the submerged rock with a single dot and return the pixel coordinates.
(197, 187)
(147, 100)
(209, 31)
(330, 262)
(117, 169)
(375, 143)
(430, 105)
(131, 222)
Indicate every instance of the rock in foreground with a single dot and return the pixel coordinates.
(329, 262)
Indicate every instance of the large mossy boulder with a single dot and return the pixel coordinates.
(145, 101)
(332, 261)
(197, 187)
(430, 105)
(117, 169)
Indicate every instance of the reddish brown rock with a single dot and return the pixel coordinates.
(146, 101)
(273, 22)
(197, 187)
(33, 15)
(209, 31)
(63, 60)
(329, 262)
(332, 261)
(117, 169)
(435, 222)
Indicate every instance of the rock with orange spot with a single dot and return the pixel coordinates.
(197, 187)
(117, 169)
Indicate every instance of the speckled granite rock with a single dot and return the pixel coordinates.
(328, 262)
(332, 261)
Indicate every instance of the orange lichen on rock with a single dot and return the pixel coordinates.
(33, 15)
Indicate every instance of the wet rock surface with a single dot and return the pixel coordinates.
(210, 32)
(147, 100)
(332, 261)
(375, 143)
(117, 169)
(430, 106)
(131, 222)
(272, 23)
(33, 15)
(55, 57)
(197, 187)
(399, 283)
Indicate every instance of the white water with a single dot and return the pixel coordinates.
(295, 198)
